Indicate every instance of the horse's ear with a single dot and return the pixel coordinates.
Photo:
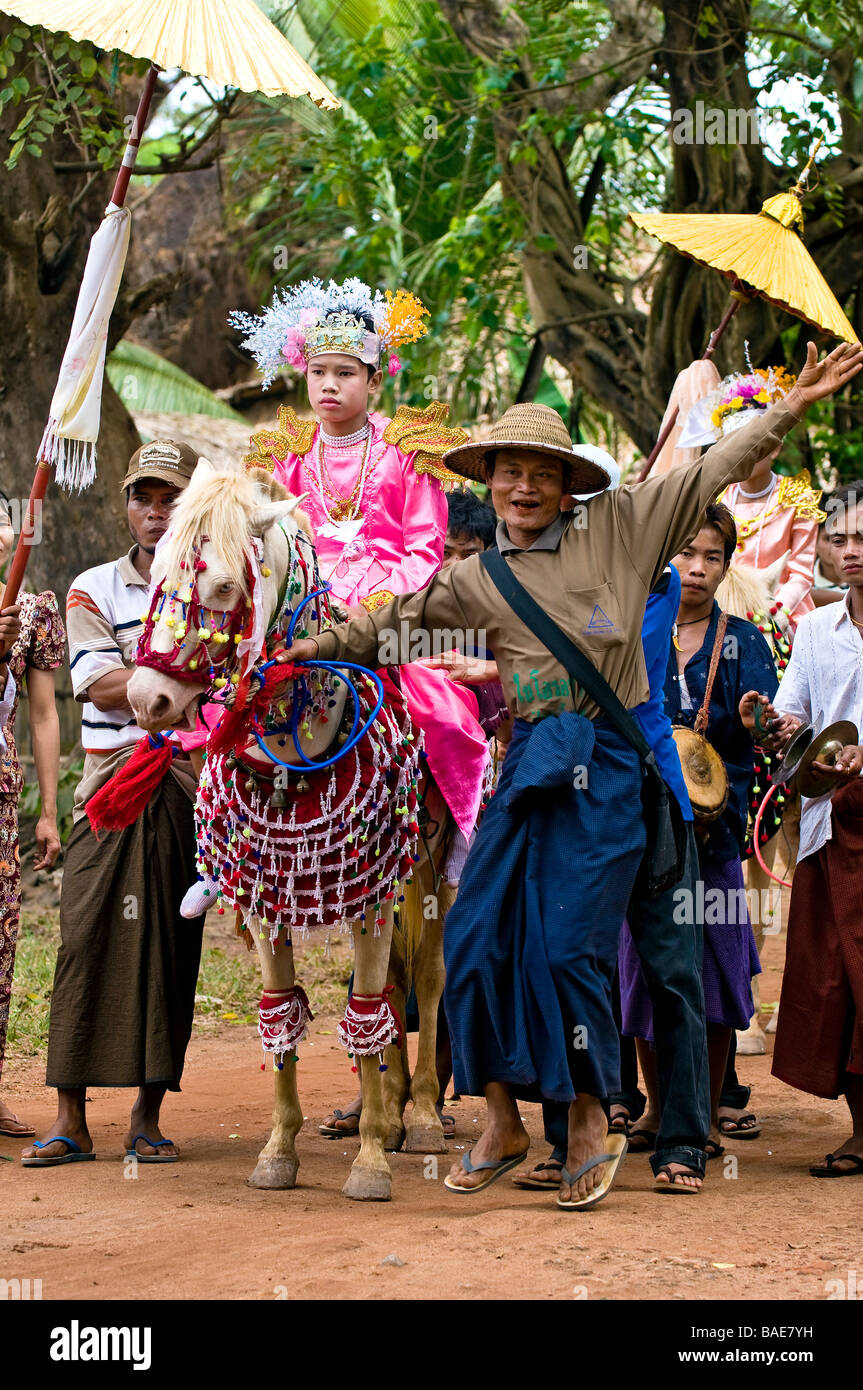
(204, 466)
(268, 513)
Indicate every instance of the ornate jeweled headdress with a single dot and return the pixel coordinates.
(311, 318)
(737, 399)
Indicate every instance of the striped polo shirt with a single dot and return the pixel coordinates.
(104, 613)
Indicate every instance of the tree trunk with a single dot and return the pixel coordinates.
(625, 359)
(45, 246)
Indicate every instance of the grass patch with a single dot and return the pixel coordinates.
(228, 991)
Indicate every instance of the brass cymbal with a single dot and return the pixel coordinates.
(794, 751)
(824, 748)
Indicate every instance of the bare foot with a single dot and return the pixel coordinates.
(141, 1147)
(547, 1173)
(588, 1130)
(853, 1147)
(347, 1121)
(78, 1132)
(497, 1141)
(10, 1125)
(734, 1122)
(678, 1175)
(642, 1134)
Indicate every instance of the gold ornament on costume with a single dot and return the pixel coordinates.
(380, 599)
(290, 435)
(423, 433)
(796, 492)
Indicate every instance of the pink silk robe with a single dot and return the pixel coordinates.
(398, 549)
(790, 526)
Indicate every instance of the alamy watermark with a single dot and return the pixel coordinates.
(716, 907)
(396, 646)
(721, 125)
(22, 520)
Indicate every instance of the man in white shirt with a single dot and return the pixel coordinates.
(819, 1038)
(124, 987)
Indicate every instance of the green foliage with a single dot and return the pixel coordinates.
(61, 88)
(147, 382)
(400, 187)
(229, 985)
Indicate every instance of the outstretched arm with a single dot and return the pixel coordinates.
(669, 507)
(392, 635)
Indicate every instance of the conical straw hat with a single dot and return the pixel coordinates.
(764, 250)
(541, 430)
(230, 41)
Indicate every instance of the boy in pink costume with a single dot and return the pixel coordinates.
(371, 486)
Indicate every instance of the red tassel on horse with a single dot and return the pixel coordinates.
(122, 799)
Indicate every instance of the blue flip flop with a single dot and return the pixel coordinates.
(151, 1158)
(75, 1154)
(497, 1167)
(617, 1146)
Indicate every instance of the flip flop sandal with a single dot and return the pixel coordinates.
(75, 1154)
(331, 1132)
(154, 1144)
(23, 1131)
(735, 1129)
(617, 1148)
(619, 1125)
(712, 1149)
(833, 1171)
(496, 1166)
(677, 1189)
(528, 1181)
(647, 1135)
(448, 1123)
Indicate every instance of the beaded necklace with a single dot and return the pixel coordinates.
(344, 509)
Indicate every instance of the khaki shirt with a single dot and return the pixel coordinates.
(593, 581)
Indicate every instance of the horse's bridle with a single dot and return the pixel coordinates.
(224, 627)
(235, 623)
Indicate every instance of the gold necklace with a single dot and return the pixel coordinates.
(746, 529)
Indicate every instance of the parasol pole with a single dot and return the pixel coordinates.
(42, 476)
(705, 357)
(740, 297)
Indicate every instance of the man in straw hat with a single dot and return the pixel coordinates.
(531, 943)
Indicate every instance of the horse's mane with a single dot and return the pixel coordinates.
(742, 591)
(747, 590)
(209, 507)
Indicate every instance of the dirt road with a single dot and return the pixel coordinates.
(762, 1228)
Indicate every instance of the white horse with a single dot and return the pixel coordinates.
(287, 845)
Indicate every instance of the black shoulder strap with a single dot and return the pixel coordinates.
(580, 667)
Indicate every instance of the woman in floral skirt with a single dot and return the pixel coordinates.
(31, 655)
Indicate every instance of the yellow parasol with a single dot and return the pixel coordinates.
(235, 45)
(230, 41)
(763, 255)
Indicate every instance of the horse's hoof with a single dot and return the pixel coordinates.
(425, 1139)
(774, 1019)
(368, 1185)
(751, 1043)
(395, 1138)
(275, 1173)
